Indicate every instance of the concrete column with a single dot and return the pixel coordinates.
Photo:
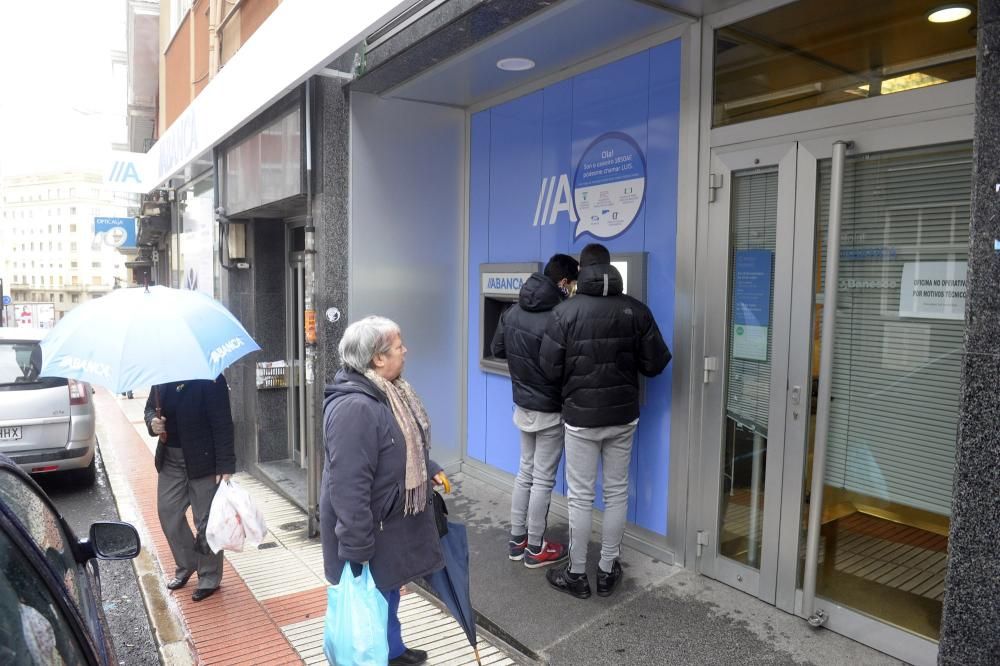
(970, 631)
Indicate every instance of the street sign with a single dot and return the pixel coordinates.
(6, 300)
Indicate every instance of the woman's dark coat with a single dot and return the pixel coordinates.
(200, 421)
(517, 339)
(363, 490)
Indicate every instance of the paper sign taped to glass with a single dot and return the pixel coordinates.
(272, 375)
(933, 290)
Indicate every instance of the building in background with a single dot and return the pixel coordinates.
(50, 250)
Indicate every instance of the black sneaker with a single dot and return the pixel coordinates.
(409, 658)
(516, 547)
(570, 583)
(606, 581)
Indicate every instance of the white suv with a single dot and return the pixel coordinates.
(46, 423)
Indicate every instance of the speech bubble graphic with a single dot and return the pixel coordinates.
(609, 186)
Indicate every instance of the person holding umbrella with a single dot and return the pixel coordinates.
(376, 492)
(194, 424)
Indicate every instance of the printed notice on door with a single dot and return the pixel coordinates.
(751, 303)
(933, 290)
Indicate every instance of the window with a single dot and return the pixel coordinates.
(72, 210)
(72, 264)
(60, 295)
(75, 280)
(44, 527)
(72, 228)
(95, 264)
(75, 298)
(30, 609)
(72, 247)
(95, 280)
(814, 53)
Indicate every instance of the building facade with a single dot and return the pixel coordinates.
(786, 184)
(50, 251)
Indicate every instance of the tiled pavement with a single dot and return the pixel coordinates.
(270, 607)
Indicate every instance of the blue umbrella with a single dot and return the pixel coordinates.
(139, 337)
(451, 584)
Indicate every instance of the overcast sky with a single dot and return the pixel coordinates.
(57, 105)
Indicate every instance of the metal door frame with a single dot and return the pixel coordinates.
(295, 332)
(760, 582)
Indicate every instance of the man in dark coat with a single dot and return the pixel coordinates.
(193, 455)
(596, 346)
(536, 413)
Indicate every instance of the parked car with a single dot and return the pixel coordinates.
(50, 586)
(46, 423)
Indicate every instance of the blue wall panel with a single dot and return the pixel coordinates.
(479, 209)
(526, 146)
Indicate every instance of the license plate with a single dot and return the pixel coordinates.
(10, 432)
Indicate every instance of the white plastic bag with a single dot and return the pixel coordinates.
(234, 520)
(251, 516)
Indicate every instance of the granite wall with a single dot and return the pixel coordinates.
(969, 631)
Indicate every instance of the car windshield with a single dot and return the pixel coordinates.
(20, 363)
(32, 628)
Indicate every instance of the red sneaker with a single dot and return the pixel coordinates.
(549, 553)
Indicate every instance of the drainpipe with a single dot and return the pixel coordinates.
(313, 469)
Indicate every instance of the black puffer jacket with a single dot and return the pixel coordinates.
(363, 490)
(518, 338)
(596, 344)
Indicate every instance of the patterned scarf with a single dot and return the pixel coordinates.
(416, 426)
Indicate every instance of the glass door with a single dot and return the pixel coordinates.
(887, 307)
(752, 232)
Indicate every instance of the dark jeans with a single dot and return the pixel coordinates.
(394, 631)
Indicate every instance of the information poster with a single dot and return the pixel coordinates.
(751, 303)
(933, 290)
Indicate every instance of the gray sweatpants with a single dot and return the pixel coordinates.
(613, 446)
(174, 493)
(529, 503)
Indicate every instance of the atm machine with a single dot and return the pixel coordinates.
(500, 284)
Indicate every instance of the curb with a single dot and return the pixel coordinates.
(169, 632)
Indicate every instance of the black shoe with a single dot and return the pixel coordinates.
(176, 583)
(606, 581)
(203, 593)
(564, 581)
(409, 658)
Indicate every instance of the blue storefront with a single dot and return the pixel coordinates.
(537, 163)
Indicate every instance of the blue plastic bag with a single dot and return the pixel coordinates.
(356, 618)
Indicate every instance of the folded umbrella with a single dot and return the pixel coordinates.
(133, 338)
(451, 584)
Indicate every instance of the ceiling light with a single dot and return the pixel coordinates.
(949, 13)
(515, 64)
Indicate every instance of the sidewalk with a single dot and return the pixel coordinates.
(661, 614)
(271, 605)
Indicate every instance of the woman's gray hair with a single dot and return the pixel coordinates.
(364, 339)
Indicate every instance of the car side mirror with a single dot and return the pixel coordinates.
(114, 540)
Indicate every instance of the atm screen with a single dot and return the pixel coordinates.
(622, 267)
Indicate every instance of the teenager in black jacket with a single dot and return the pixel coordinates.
(595, 347)
(536, 413)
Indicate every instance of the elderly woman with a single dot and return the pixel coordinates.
(376, 499)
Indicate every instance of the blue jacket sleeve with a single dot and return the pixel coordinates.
(220, 419)
(353, 448)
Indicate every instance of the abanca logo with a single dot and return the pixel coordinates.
(220, 352)
(93, 367)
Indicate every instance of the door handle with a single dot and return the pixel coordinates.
(796, 399)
